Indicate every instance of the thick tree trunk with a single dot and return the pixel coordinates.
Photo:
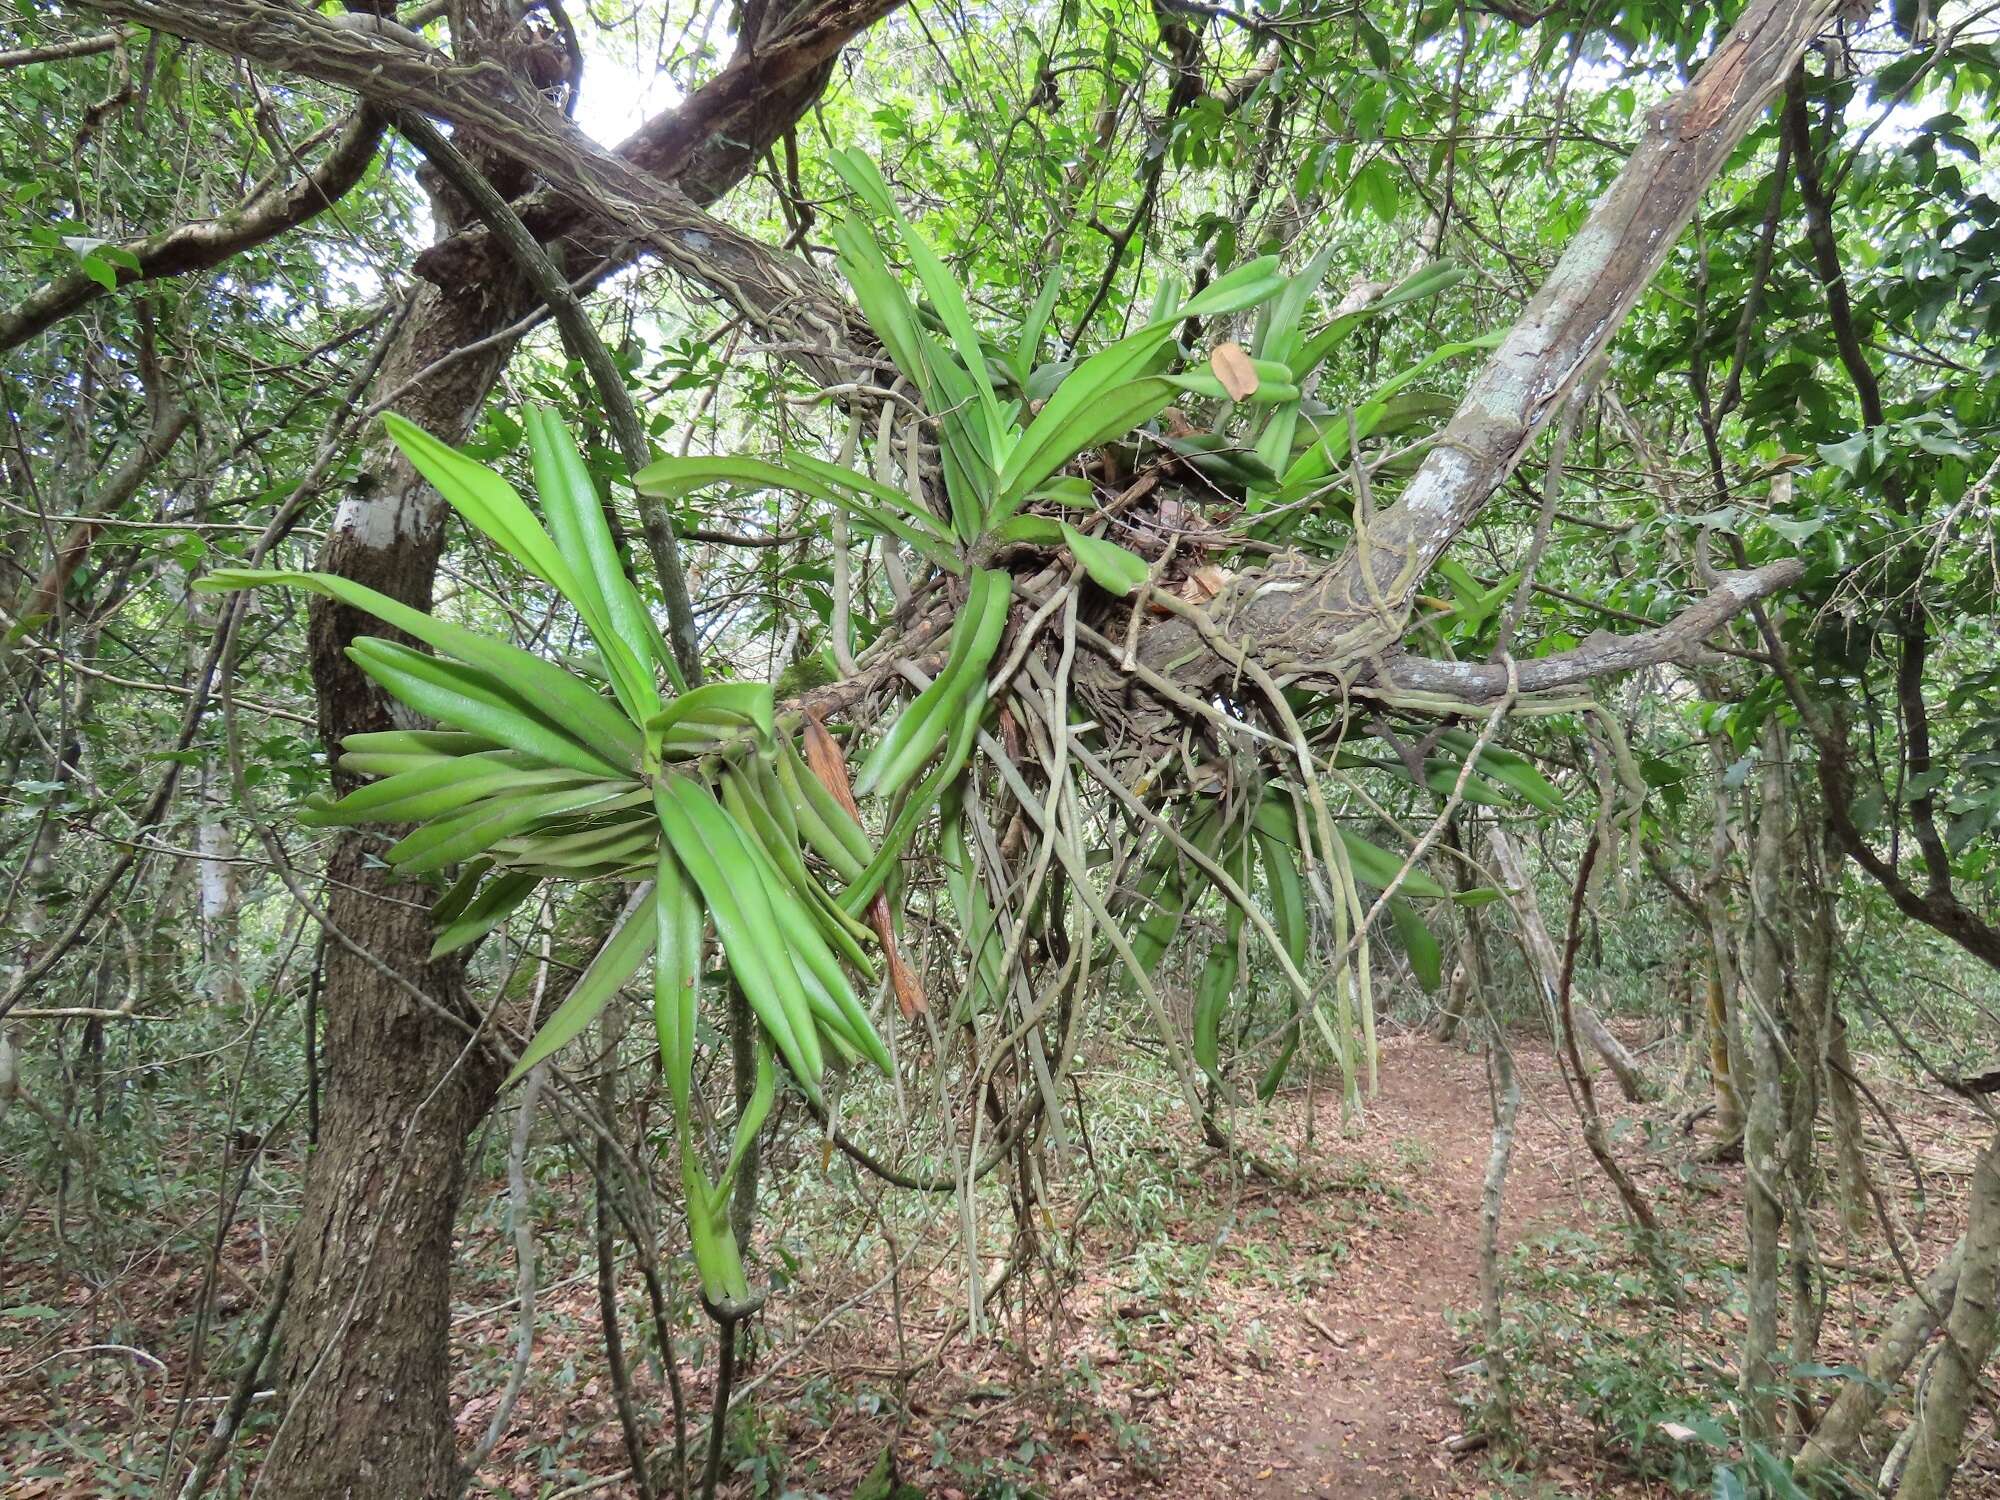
(366, 1368)
(1728, 1104)
(1943, 1409)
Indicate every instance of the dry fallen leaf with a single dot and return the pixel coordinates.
(1233, 368)
(1205, 583)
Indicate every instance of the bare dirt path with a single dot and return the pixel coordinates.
(1367, 1412)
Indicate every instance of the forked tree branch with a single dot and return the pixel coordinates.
(635, 193)
(1599, 656)
(198, 246)
(1330, 620)
(1343, 621)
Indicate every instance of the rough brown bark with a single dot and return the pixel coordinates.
(365, 1365)
(366, 1361)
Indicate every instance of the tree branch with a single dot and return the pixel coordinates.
(1340, 615)
(83, 46)
(1600, 655)
(619, 192)
(196, 247)
(583, 341)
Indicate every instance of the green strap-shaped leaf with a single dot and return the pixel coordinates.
(755, 1109)
(433, 791)
(489, 504)
(1211, 999)
(589, 853)
(558, 693)
(1376, 866)
(883, 301)
(866, 486)
(692, 824)
(722, 705)
(496, 901)
(673, 477)
(1051, 438)
(479, 827)
(1287, 893)
(1030, 343)
(1420, 945)
(629, 945)
(677, 976)
(1278, 320)
(1246, 286)
(617, 622)
(1109, 565)
(1509, 768)
(466, 698)
(861, 173)
(958, 748)
(1335, 448)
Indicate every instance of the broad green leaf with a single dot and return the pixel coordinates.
(1031, 327)
(468, 699)
(1246, 286)
(1376, 866)
(487, 502)
(479, 827)
(496, 901)
(1420, 945)
(673, 477)
(1052, 437)
(1111, 413)
(1044, 531)
(1109, 565)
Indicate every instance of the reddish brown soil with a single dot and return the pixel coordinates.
(1266, 1340)
(1374, 1412)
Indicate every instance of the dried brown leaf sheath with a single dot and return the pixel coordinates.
(830, 766)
